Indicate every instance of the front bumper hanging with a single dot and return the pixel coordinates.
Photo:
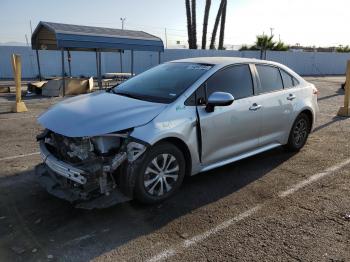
(49, 181)
(60, 167)
(53, 172)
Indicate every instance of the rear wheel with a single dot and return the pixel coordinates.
(160, 173)
(299, 133)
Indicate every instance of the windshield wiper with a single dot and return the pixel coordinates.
(127, 95)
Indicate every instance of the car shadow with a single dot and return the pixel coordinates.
(334, 119)
(339, 92)
(36, 220)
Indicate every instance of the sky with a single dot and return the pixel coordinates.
(306, 22)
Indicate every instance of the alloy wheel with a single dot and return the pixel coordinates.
(161, 175)
(300, 132)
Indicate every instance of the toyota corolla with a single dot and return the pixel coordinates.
(141, 138)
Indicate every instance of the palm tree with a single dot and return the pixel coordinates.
(205, 23)
(280, 46)
(264, 42)
(194, 25)
(222, 27)
(343, 49)
(189, 23)
(216, 24)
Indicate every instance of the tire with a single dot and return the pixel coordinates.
(299, 133)
(167, 176)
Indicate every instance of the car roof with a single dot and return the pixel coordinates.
(223, 60)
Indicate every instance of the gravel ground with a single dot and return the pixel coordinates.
(233, 213)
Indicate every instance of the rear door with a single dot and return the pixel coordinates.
(293, 94)
(276, 108)
(230, 130)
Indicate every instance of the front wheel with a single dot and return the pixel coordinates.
(160, 173)
(299, 133)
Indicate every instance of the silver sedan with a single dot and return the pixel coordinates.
(141, 138)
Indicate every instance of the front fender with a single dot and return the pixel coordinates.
(183, 127)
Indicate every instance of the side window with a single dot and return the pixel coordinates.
(270, 78)
(199, 94)
(287, 79)
(236, 80)
(295, 81)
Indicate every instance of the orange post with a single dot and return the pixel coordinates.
(344, 110)
(17, 70)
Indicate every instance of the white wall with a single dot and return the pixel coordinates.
(84, 63)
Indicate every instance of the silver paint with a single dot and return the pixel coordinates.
(97, 114)
(246, 127)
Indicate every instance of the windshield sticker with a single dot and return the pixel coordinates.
(180, 107)
(198, 67)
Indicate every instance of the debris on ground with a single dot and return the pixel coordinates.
(37, 221)
(346, 216)
(183, 235)
(50, 256)
(34, 250)
(18, 250)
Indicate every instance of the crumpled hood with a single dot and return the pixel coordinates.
(97, 114)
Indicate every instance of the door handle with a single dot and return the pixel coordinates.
(255, 107)
(291, 97)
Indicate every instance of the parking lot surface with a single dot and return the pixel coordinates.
(275, 206)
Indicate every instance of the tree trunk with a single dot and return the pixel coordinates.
(205, 23)
(194, 25)
(189, 23)
(217, 20)
(222, 27)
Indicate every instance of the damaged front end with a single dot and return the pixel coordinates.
(88, 171)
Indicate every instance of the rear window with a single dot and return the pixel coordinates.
(288, 80)
(270, 78)
(295, 81)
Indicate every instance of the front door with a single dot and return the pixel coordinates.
(230, 130)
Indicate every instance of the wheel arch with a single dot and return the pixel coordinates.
(310, 115)
(180, 144)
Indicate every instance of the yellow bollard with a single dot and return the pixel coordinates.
(344, 110)
(16, 66)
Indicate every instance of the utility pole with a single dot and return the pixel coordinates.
(27, 40)
(271, 31)
(31, 28)
(123, 21)
(166, 38)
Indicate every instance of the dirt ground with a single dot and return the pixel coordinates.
(233, 213)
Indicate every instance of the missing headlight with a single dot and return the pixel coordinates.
(105, 145)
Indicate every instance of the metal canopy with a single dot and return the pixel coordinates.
(56, 36)
(65, 37)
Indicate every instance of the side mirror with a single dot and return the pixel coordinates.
(218, 99)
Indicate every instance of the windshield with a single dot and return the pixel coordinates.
(163, 83)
